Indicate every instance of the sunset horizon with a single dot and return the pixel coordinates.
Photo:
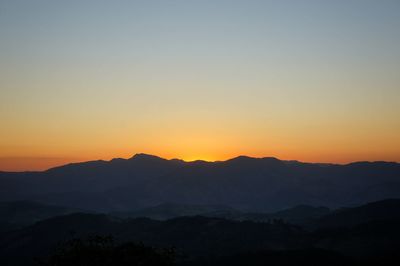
(22, 164)
(198, 81)
(200, 132)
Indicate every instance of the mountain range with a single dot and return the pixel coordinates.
(364, 235)
(244, 183)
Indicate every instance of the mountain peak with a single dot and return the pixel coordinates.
(145, 156)
(242, 158)
(248, 158)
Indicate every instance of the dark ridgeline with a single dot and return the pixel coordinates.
(243, 211)
(244, 183)
(365, 235)
(18, 214)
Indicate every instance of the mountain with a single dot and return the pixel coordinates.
(371, 239)
(172, 210)
(192, 236)
(244, 183)
(373, 212)
(371, 229)
(299, 215)
(17, 214)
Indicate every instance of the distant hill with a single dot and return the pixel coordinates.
(300, 215)
(244, 183)
(172, 210)
(6, 226)
(192, 236)
(22, 213)
(373, 238)
(372, 212)
(372, 229)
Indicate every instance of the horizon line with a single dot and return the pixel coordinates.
(136, 155)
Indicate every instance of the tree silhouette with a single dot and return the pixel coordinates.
(101, 251)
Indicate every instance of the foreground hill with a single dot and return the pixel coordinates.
(379, 211)
(193, 236)
(244, 183)
(216, 241)
(17, 214)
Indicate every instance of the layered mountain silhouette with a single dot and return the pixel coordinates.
(244, 183)
(380, 211)
(363, 235)
(299, 215)
(17, 214)
(167, 211)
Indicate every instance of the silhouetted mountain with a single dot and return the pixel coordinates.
(244, 183)
(6, 226)
(299, 215)
(21, 213)
(170, 210)
(372, 212)
(372, 238)
(192, 236)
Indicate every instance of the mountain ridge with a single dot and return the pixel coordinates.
(246, 183)
(199, 236)
(146, 156)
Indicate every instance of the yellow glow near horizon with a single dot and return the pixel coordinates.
(314, 81)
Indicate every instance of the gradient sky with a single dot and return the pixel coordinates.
(314, 80)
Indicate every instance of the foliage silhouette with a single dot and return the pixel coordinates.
(101, 251)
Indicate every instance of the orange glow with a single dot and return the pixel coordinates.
(197, 139)
(40, 163)
(75, 86)
(32, 164)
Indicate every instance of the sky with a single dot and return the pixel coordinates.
(311, 80)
